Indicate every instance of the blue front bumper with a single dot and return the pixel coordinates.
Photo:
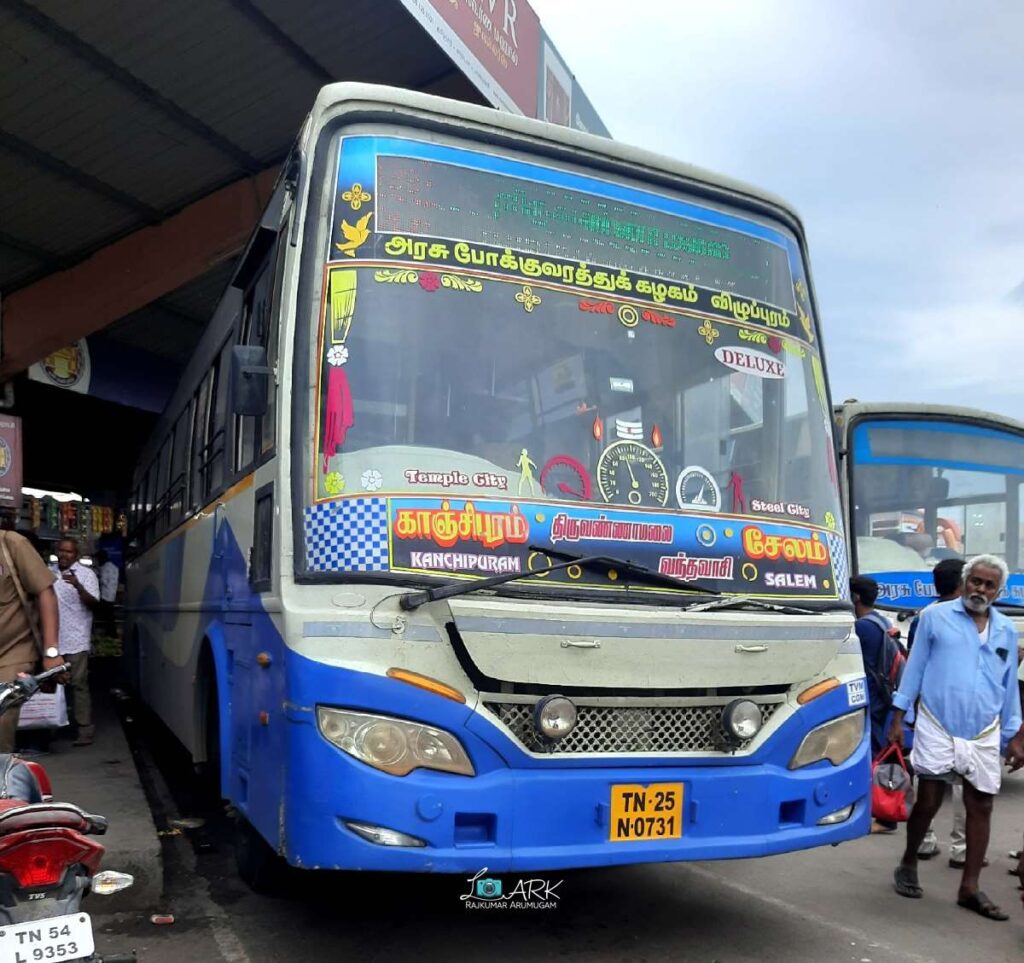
(523, 813)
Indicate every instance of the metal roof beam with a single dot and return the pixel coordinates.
(115, 72)
(277, 36)
(130, 273)
(75, 175)
(46, 258)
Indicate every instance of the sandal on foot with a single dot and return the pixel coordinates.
(979, 903)
(905, 882)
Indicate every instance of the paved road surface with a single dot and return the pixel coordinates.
(821, 905)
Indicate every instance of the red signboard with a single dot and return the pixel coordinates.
(496, 43)
(10, 461)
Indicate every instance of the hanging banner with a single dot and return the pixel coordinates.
(106, 369)
(10, 461)
(68, 368)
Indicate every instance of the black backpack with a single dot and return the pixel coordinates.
(887, 671)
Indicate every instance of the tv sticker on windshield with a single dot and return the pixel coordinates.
(856, 693)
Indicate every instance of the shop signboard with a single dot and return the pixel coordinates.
(10, 461)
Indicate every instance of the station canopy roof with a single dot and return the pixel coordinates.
(117, 114)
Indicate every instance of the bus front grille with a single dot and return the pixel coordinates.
(626, 729)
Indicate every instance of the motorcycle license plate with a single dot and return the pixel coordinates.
(640, 813)
(57, 938)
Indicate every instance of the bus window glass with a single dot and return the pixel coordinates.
(268, 429)
(923, 491)
(179, 456)
(679, 381)
(200, 420)
(216, 439)
(255, 331)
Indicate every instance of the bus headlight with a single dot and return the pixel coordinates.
(835, 741)
(393, 745)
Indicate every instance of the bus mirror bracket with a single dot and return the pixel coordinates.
(250, 379)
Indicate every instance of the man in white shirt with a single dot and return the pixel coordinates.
(78, 595)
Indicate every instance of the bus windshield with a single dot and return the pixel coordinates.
(925, 490)
(514, 355)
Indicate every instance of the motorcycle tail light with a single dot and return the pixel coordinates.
(41, 857)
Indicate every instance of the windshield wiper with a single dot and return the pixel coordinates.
(640, 573)
(745, 601)
(413, 600)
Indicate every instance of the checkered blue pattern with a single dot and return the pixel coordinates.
(837, 549)
(348, 535)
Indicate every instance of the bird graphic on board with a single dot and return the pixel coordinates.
(354, 235)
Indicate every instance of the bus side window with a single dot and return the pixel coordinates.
(149, 505)
(162, 491)
(261, 561)
(133, 512)
(210, 429)
(217, 431)
(200, 422)
(178, 484)
(255, 436)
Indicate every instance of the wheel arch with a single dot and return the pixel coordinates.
(212, 692)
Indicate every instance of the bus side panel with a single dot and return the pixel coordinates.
(249, 657)
(169, 602)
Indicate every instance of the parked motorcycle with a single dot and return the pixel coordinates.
(48, 861)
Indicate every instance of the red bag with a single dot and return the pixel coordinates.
(891, 787)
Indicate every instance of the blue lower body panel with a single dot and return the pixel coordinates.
(526, 814)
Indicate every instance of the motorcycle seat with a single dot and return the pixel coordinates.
(18, 817)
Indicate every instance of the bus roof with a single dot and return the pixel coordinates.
(891, 409)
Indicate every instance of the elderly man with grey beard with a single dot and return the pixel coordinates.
(962, 674)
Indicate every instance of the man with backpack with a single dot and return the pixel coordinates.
(883, 665)
(947, 578)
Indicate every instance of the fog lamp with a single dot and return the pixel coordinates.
(554, 716)
(741, 720)
(839, 816)
(384, 837)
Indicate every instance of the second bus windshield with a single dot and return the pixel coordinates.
(925, 490)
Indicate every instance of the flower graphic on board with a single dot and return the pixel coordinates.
(337, 355)
(708, 332)
(528, 299)
(774, 344)
(372, 480)
(334, 483)
(429, 280)
(356, 196)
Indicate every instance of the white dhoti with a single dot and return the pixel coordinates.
(938, 754)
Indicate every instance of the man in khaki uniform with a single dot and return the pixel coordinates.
(19, 651)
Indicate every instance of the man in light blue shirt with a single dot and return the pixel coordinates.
(963, 668)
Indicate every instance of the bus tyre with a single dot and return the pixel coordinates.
(259, 867)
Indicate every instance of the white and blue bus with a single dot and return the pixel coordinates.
(496, 520)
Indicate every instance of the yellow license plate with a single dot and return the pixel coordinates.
(646, 812)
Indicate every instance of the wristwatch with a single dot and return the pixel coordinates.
(52, 652)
